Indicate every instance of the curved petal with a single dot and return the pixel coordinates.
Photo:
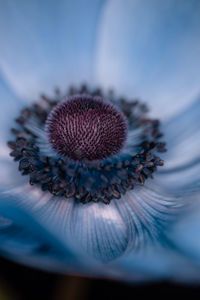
(182, 134)
(9, 174)
(45, 44)
(9, 108)
(102, 232)
(98, 229)
(55, 235)
(181, 172)
(152, 263)
(158, 263)
(94, 229)
(185, 234)
(184, 237)
(146, 213)
(150, 49)
(25, 240)
(151, 214)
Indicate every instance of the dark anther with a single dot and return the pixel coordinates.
(24, 164)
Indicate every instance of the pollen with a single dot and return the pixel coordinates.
(86, 127)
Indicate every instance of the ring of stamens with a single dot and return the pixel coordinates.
(88, 180)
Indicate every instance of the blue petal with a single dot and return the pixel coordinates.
(152, 252)
(9, 173)
(182, 134)
(150, 49)
(153, 263)
(181, 173)
(94, 229)
(44, 44)
(184, 236)
(25, 240)
(59, 235)
(9, 108)
(147, 212)
(97, 229)
(157, 263)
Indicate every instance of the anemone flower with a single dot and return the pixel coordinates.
(95, 198)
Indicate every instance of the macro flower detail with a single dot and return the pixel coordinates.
(144, 56)
(86, 127)
(81, 147)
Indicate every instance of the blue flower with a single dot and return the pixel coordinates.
(146, 49)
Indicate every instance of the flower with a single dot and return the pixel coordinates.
(145, 49)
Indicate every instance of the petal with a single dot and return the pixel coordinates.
(182, 134)
(10, 176)
(45, 44)
(184, 236)
(158, 263)
(152, 215)
(152, 263)
(150, 49)
(98, 229)
(95, 232)
(102, 232)
(94, 229)
(9, 108)
(25, 240)
(146, 213)
(181, 172)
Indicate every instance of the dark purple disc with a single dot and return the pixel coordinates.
(86, 127)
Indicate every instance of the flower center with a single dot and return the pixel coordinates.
(87, 132)
(86, 127)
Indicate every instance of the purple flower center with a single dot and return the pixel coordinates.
(86, 127)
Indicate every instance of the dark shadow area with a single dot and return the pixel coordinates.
(27, 283)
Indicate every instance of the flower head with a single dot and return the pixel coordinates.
(77, 147)
(91, 146)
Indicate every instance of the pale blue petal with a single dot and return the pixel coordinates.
(111, 240)
(10, 106)
(150, 49)
(157, 263)
(77, 233)
(186, 233)
(182, 134)
(45, 44)
(97, 229)
(184, 236)
(24, 239)
(33, 231)
(153, 220)
(147, 212)
(101, 233)
(94, 229)
(181, 172)
(10, 176)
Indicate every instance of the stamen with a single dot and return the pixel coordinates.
(90, 136)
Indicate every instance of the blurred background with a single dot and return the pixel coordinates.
(21, 283)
